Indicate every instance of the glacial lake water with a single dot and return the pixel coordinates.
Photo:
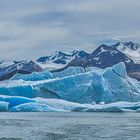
(69, 126)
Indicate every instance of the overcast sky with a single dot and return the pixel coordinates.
(33, 28)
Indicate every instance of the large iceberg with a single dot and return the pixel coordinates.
(108, 85)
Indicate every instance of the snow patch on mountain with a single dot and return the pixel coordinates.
(59, 59)
(132, 50)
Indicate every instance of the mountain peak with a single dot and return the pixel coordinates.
(130, 45)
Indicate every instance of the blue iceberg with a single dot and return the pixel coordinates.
(108, 85)
(34, 107)
(21, 104)
(35, 76)
(3, 106)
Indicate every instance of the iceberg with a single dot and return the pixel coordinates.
(14, 101)
(22, 89)
(34, 107)
(109, 85)
(59, 104)
(3, 106)
(22, 104)
(76, 107)
(99, 85)
(133, 106)
(98, 109)
(120, 69)
(35, 76)
(69, 71)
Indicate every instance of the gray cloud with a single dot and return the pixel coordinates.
(32, 28)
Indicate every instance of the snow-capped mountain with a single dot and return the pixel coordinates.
(106, 56)
(103, 56)
(132, 50)
(55, 61)
(60, 59)
(8, 69)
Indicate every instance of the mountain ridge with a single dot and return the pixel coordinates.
(106, 56)
(102, 57)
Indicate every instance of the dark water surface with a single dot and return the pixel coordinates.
(69, 126)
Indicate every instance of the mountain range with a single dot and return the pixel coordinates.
(104, 56)
(59, 59)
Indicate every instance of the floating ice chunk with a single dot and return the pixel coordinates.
(105, 109)
(98, 109)
(14, 101)
(21, 104)
(126, 105)
(76, 107)
(3, 106)
(58, 103)
(34, 107)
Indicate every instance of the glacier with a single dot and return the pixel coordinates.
(74, 89)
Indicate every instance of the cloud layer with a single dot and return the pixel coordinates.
(32, 28)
